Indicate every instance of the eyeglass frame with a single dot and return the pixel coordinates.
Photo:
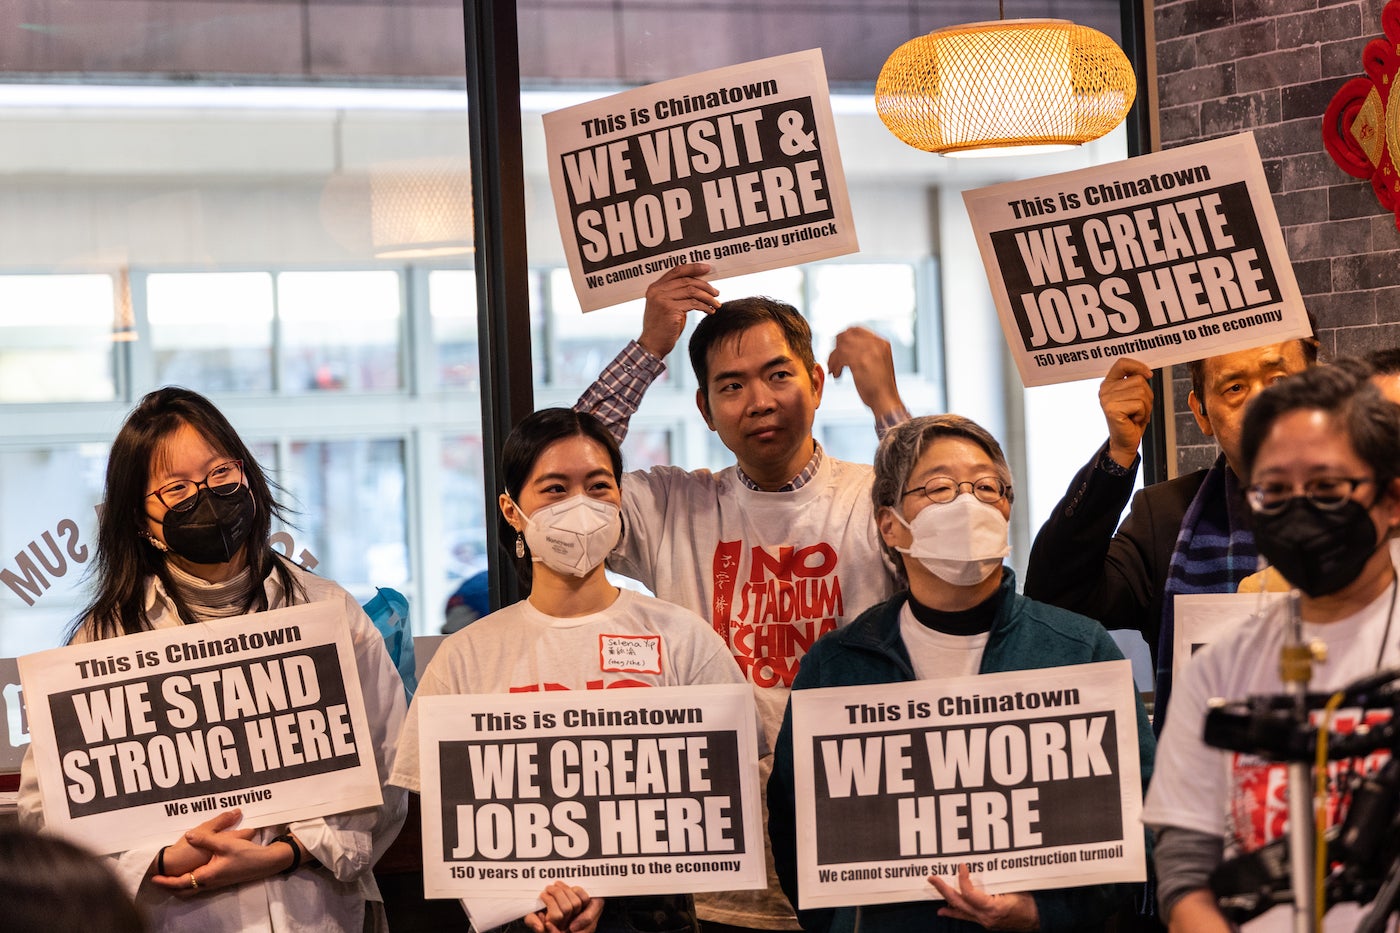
(242, 476)
(1006, 491)
(1254, 492)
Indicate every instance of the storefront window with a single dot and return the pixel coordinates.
(56, 338)
(212, 331)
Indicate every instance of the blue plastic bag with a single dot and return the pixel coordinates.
(388, 609)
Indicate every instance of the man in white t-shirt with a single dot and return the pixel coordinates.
(776, 550)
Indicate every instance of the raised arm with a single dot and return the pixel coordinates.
(1125, 396)
(871, 363)
(617, 392)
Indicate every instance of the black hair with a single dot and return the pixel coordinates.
(50, 885)
(735, 317)
(1384, 362)
(125, 558)
(1370, 423)
(526, 442)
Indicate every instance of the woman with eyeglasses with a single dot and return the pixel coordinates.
(1321, 450)
(942, 495)
(183, 538)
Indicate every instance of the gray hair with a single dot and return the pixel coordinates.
(901, 448)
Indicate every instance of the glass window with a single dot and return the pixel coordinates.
(352, 510)
(340, 330)
(463, 511)
(452, 307)
(56, 334)
(47, 522)
(211, 331)
(645, 448)
(879, 296)
(580, 345)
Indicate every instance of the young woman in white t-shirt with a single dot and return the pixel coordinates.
(560, 515)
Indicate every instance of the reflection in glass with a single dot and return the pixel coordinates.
(212, 331)
(56, 338)
(879, 296)
(49, 540)
(340, 330)
(463, 507)
(452, 307)
(580, 345)
(352, 510)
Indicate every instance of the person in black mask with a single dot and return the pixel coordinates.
(1322, 450)
(183, 539)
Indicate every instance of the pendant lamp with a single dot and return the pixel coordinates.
(1005, 87)
(420, 208)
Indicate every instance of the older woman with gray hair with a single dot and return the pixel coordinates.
(942, 495)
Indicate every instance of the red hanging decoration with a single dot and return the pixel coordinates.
(1361, 128)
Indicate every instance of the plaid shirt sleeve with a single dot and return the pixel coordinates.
(617, 392)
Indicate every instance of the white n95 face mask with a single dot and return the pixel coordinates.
(961, 542)
(573, 536)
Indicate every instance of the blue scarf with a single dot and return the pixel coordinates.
(1214, 551)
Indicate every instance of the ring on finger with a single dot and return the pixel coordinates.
(194, 882)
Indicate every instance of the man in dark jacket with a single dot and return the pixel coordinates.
(1187, 535)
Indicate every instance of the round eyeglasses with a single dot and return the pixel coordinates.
(944, 489)
(1325, 492)
(223, 480)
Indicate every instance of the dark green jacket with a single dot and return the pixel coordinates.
(1026, 635)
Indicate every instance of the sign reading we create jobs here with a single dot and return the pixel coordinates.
(638, 791)
(1167, 258)
(140, 738)
(1032, 782)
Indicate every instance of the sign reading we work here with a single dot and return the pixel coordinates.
(737, 167)
(1167, 258)
(1033, 783)
(139, 738)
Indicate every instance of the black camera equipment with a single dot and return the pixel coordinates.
(1363, 851)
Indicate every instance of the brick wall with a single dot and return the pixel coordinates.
(1271, 66)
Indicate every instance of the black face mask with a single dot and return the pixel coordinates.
(212, 531)
(1320, 551)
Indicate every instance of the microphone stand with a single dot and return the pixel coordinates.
(1295, 669)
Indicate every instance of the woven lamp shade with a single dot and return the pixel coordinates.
(1009, 83)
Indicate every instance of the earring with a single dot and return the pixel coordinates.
(519, 546)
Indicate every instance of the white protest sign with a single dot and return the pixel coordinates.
(142, 737)
(1033, 782)
(737, 167)
(640, 791)
(1201, 618)
(1167, 258)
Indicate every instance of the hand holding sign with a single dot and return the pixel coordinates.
(566, 910)
(669, 299)
(993, 911)
(182, 857)
(1126, 399)
(871, 361)
(233, 858)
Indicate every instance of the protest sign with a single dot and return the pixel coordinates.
(1167, 258)
(1201, 618)
(637, 791)
(142, 737)
(1035, 784)
(737, 167)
